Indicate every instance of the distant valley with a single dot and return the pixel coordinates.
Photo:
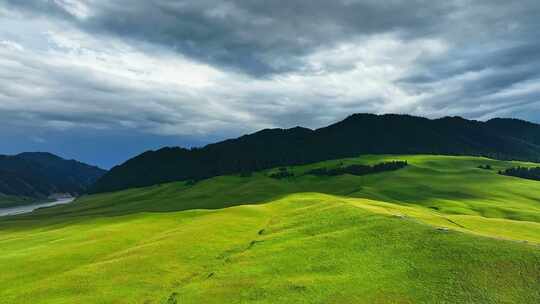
(38, 176)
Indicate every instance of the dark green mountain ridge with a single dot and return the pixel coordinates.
(505, 139)
(39, 174)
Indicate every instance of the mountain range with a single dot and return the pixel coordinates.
(39, 175)
(359, 134)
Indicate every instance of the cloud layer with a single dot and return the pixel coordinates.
(214, 69)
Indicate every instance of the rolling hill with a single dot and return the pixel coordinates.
(440, 230)
(359, 134)
(27, 177)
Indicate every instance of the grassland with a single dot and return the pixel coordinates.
(439, 231)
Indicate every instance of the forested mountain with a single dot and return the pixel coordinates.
(357, 134)
(39, 175)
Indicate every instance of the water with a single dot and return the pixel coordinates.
(30, 208)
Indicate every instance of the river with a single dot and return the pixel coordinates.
(30, 208)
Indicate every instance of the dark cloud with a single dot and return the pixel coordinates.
(262, 37)
(258, 37)
(171, 68)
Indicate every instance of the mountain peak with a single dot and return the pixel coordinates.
(39, 155)
(514, 121)
(40, 174)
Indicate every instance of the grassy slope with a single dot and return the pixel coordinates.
(369, 239)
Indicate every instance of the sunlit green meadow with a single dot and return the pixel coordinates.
(439, 231)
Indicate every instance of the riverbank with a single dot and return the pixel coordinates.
(29, 208)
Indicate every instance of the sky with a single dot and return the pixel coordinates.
(102, 81)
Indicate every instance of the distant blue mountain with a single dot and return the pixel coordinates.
(39, 175)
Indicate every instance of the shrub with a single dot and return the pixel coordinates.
(282, 173)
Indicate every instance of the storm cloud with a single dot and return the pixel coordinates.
(180, 70)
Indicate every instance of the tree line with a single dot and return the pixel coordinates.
(359, 169)
(523, 172)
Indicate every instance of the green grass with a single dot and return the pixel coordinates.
(306, 239)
